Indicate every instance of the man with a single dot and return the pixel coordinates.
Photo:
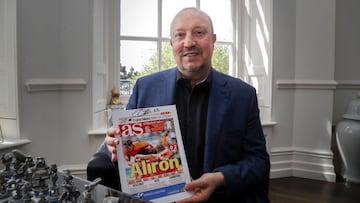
(218, 114)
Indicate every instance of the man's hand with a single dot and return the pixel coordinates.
(111, 142)
(203, 187)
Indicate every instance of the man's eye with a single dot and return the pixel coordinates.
(199, 33)
(179, 35)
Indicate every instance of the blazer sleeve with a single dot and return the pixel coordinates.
(250, 170)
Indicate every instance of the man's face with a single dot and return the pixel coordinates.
(192, 42)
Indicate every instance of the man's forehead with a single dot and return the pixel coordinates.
(189, 25)
(190, 18)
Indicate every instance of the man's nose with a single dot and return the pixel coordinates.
(189, 41)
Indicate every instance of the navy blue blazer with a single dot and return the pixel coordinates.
(234, 139)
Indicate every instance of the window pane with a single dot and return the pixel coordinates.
(220, 13)
(221, 59)
(137, 58)
(170, 9)
(139, 18)
(167, 58)
(137, 54)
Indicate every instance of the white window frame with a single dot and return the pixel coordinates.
(9, 118)
(105, 59)
(9, 104)
(256, 42)
(254, 50)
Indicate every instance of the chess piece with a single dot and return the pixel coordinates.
(20, 164)
(6, 175)
(54, 189)
(42, 198)
(70, 193)
(3, 188)
(15, 190)
(7, 172)
(115, 96)
(26, 192)
(40, 173)
(88, 189)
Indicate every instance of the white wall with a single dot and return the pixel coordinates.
(316, 49)
(55, 43)
(303, 69)
(347, 56)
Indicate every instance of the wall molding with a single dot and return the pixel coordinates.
(302, 162)
(348, 84)
(12, 143)
(285, 162)
(306, 84)
(318, 84)
(55, 84)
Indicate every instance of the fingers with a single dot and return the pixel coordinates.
(111, 142)
(194, 184)
(114, 157)
(203, 187)
(111, 132)
(112, 150)
(198, 196)
(207, 180)
(110, 137)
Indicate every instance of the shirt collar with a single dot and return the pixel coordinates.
(179, 76)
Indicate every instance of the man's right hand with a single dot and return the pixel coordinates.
(111, 142)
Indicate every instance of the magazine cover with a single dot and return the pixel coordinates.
(151, 157)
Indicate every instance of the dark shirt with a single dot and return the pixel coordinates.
(191, 104)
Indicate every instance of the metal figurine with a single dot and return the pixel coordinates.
(115, 96)
(5, 175)
(40, 173)
(70, 192)
(26, 192)
(7, 172)
(88, 189)
(54, 189)
(23, 180)
(15, 190)
(42, 198)
(3, 188)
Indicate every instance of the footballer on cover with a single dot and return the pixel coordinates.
(151, 157)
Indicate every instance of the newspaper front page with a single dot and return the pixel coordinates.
(151, 157)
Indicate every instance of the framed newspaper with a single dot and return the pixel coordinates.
(151, 157)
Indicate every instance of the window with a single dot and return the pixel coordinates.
(8, 71)
(144, 39)
(131, 39)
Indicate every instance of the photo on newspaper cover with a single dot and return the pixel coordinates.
(151, 157)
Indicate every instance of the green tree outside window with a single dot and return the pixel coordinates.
(220, 62)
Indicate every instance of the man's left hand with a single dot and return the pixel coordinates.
(203, 187)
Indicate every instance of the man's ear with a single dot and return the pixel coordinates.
(214, 38)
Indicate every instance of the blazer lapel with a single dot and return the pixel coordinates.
(168, 82)
(217, 107)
